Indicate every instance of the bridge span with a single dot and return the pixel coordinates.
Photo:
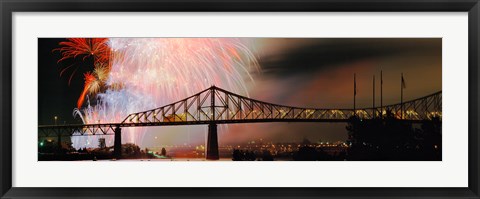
(214, 106)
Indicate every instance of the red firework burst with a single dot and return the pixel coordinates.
(85, 47)
(89, 80)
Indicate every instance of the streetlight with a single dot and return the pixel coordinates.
(55, 119)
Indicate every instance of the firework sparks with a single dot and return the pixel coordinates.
(94, 81)
(84, 48)
(146, 73)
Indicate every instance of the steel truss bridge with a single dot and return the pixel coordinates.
(214, 106)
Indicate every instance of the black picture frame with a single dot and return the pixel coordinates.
(10, 6)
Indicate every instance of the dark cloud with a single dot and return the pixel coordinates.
(320, 54)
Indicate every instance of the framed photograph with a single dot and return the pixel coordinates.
(177, 99)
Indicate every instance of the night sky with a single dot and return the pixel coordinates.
(315, 72)
(56, 96)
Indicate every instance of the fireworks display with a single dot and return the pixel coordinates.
(137, 74)
(158, 86)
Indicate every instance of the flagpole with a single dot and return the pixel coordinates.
(374, 109)
(401, 95)
(354, 93)
(381, 94)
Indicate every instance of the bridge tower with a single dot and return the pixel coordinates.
(117, 145)
(212, 138)
(212, 142)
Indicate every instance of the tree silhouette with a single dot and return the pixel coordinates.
(390, 138)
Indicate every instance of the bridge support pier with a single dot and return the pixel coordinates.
(59, 142)
(117, 145)
(212, 142)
